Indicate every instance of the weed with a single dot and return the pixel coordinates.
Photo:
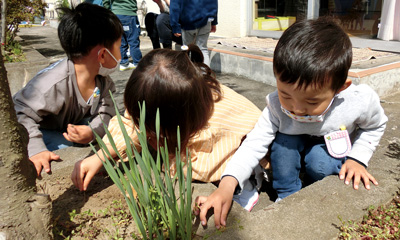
(382, 222)
(88, 225)
(12, 51)
(159, 202)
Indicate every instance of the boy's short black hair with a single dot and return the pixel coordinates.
(313, 52)
(85, 26)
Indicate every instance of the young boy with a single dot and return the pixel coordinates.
(57, 104)
(126, 11)
(194, 20)
(312, 114)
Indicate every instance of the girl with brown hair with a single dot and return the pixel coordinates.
(213, 119)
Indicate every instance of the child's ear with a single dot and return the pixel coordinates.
(345, 85)
(101, 56)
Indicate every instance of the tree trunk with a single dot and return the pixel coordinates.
(3, 21)
(23, 213)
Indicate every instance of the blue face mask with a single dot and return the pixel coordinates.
(103, 71)
(307, 118)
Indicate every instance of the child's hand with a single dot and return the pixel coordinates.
(84, 171)
(352, 169)
(220, 200)
(79, 134)
(43, 159)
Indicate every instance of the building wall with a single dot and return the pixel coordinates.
(232, 18)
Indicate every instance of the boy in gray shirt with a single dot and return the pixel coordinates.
(57, 104)
(316, 115)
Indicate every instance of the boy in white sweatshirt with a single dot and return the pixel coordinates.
(316, 116)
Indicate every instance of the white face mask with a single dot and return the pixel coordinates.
(307, 118)
(103, 71)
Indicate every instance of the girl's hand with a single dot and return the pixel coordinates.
(84, 171)
(79, 134)
(352, 169)
(220, 200)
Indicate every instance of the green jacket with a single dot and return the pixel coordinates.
(121, 7)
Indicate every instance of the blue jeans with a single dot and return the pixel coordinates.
(55, 140)
(287, 152)
(130, 39)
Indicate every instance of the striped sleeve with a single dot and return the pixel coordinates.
(234, 116)
(118, 137)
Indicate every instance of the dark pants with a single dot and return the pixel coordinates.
(159, 30)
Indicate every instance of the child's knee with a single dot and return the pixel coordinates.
(319, 168)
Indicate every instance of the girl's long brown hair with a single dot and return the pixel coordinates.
(180, 86)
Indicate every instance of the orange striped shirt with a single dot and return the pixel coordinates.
(210, 149)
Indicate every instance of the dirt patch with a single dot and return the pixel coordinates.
(99, 213)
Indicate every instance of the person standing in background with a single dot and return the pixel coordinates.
(194, 20)
(158, 27)
(126, 11)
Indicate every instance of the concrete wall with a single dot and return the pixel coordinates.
(232, 18)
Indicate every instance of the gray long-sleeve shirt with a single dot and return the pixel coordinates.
(358, 108)
(52, 100)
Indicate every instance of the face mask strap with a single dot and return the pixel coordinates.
(329, 106)
(110, 55)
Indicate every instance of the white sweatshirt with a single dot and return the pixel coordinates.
(358, 108)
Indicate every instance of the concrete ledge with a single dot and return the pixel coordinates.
(382, 75)
(19, 73)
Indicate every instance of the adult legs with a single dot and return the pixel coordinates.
(199, 37)
(165, 31)
(151, 28)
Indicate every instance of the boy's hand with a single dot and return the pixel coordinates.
(220, 200)
(84, 171)
(213, 28)
(352, 169)
(43, 159)
(79, 134)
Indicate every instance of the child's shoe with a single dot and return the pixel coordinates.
(127, 66)
(247, 199)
